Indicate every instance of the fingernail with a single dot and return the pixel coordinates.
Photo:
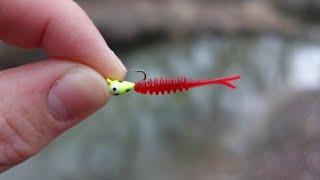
(119, 62)
(77, 94)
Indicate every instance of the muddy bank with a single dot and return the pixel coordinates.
(128, 20)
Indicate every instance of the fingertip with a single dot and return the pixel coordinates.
(77, 94)
(62, 29)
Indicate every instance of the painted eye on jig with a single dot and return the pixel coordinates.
(166, 85)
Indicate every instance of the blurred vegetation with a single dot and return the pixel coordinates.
(267, 129)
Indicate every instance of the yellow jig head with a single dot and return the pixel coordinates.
(117, 87)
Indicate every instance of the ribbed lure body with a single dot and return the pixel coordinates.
(177, 84)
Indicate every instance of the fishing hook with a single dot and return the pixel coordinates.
(141, 71)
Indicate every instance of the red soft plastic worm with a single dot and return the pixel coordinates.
(178, 84)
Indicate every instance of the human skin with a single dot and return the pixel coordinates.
(40, 101)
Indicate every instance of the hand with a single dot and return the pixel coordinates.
(40, 101)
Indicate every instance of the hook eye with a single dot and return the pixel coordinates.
(141, 71)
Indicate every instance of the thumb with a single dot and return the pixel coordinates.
(40, 101)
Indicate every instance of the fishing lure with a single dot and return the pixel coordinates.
(165, 85)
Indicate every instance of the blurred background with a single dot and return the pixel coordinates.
(269, 128)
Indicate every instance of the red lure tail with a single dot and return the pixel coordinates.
(178, 84)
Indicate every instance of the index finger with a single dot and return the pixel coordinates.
(62, 29)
